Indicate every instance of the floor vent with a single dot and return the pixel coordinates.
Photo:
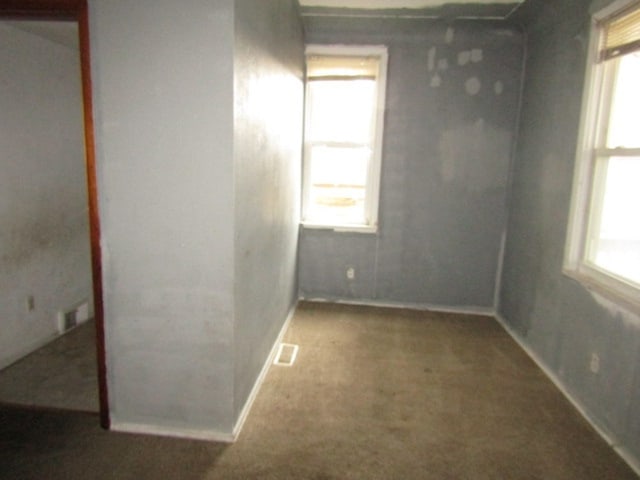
(68, 320)
(286, 354)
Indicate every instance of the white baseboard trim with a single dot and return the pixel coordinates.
(209, 435)
(166, 431)
(465, 310)
(624, 453)
(244, 413)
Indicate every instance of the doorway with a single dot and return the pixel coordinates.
(72, 13)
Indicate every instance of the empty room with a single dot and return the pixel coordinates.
(320, 239)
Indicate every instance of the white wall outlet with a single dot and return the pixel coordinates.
(351, 273)
(594, 363)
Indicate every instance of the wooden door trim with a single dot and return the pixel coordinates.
(78, 11)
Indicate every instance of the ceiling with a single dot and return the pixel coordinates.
(66, 33)
(395, 4)
(446, 9)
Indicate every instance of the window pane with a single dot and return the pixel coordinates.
(616, 242)
(341, 111)
(624, 127)
(338, 184)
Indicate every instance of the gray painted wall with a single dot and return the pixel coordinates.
(198, 123)
(560, 320)
(163, 98)
(269, 62)
(452, 99)
(44, 238)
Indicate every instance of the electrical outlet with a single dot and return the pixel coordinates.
(594, 363)
(351, 273)
(30, 303)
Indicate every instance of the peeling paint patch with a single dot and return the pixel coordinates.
(464, 57)
(473, 86)
(449, 35)
(498, 87)
(436, 81)
(476, 55)
(465, 162)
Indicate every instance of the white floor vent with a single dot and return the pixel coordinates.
(73, 317)
(67, 320)
(286, 355)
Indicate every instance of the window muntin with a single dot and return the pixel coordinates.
(343, 136)
(604, 237)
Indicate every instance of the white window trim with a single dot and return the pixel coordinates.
(373, 196)
(575, 264)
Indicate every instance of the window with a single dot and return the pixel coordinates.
(345, 89)
(604, 236)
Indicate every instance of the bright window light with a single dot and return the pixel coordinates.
(604, 236)
(343, 136)
(615, 243)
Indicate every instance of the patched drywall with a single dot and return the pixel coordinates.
(452, 98)
(590, 344)
(268, 112)
(163, 99)
(44, 231)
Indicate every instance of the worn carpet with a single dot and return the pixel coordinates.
(373, 394)
(62, 374)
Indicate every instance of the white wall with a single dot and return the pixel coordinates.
(163, 103)
(44, 243)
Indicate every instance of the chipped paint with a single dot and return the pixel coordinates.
(449, 35)
(472, 86)
(464, 57)
(476, 55)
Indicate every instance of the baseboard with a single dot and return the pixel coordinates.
(624, 453)
(210, 435)
(174, 432)
(464, 310)
(244, 413)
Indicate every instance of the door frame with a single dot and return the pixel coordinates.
(78, 11)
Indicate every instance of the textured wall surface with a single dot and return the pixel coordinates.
(268, 69)
(560, 320)
(163, 100)
(44, 236)
(452, 98)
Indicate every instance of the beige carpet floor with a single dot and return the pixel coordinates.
(62, 374)
(374, 394)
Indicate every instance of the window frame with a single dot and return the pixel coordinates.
(596, 104)
(372, 189)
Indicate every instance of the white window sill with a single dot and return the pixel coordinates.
(620, 293)
(355, 228)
